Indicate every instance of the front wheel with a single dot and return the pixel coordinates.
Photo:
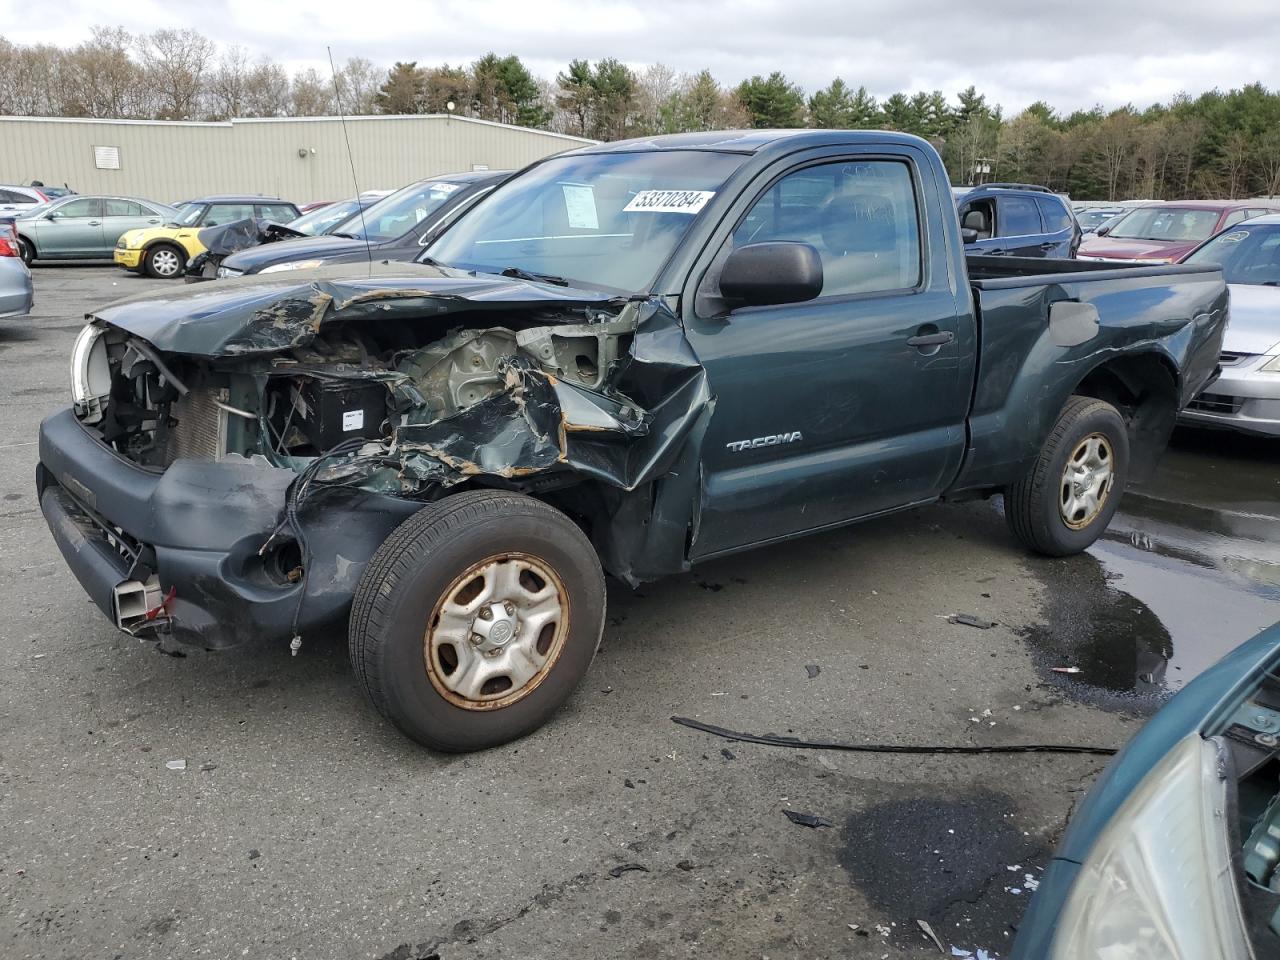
(1064, 502)
(163, 261)
(476, 619)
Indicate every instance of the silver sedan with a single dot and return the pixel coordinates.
(1246, 396)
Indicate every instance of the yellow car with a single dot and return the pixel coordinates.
(163, 252)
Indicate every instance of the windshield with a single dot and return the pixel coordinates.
(190, 214)
(1246, 255)
(396, 215)
(326, 219)
(1089, 219)
(1169, 224)
(599, 220)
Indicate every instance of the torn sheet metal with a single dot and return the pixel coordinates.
(227, 238)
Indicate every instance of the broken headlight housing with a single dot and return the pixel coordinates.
(1158, 881)
(224, 272)
(90, 373)
(292, 265)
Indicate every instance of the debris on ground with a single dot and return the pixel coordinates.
(928, 932)
(812, 669)
(883, 930)
(978, 953)
(1065, 669)
(969, 620)
(622, 868)
(176, 764)
(806, 819)
(685, 865)
(254, 854)
(727, 753)
(206, 767)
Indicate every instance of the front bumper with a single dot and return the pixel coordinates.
(1242, 399)
(199, 526)
(129, 259)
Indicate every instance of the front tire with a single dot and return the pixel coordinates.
(1065, 501)
(163, 261)
(476, 618)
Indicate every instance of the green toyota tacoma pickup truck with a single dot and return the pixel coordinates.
(628, 359)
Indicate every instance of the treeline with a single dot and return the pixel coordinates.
(1214, 145)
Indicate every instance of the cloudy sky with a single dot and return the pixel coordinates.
(1070, 54)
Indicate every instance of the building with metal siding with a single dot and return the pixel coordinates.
(296, 158)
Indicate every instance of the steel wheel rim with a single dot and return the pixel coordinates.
(496, 632)
(165, 262)
(1086, 483)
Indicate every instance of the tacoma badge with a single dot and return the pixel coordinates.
(737, 446)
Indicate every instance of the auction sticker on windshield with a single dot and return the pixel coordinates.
(668, 201)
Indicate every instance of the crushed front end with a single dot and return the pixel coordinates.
(233, 458)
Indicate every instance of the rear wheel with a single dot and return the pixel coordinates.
(1067, 498)
(26, 250)
(163, 261)
(476, 619)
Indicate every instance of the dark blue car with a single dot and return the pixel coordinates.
(1176, 850)
(1016, 220)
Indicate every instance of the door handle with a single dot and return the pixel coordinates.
(95, 223)
(931, 339)
(993, 253)
(1047, 246)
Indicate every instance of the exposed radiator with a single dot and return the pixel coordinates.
(201, 428)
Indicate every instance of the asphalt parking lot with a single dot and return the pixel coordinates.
(304, 826)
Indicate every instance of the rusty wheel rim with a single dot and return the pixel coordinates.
(496, 632)
(1087, 478)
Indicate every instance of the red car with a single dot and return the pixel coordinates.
(1165, 232)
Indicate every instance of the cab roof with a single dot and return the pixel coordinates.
(748, 141)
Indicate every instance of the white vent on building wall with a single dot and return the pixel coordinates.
(106, 158)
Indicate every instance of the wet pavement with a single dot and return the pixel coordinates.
(1189, 569)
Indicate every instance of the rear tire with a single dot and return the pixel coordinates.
(1065, 501)
(164, 261)
(26, 250)
(476, 618)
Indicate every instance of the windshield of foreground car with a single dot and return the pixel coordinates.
(1170, 224)
(1246, 254)
(394, 216)
(327, 218)
(607, 220)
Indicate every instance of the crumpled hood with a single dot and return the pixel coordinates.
(239, 234)
(254, 258)
(258, 315)
(1255, 319)
(1126, 249)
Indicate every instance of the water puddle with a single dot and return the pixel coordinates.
(1189, 569)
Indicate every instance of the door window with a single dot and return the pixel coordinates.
(279, 212)
(115, 207)
(1017, 217)
(1055, 214)
(84, 207)
(979, 217)
(1234, 217)
(219, 213)
(861, 216)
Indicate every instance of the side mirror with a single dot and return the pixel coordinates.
(968, 235)
(1102, 231)
(776, 271)
(53, 215)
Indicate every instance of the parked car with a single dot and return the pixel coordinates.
(1091, 218)
(1175, 851)
(1246, 395)
(19, 200)
(1016, 220)
(52, 193)
(163, 251)
(16, 290)
(631, 357)
(394, 228)
(1167, 232)
(313, 205)
(78, 228)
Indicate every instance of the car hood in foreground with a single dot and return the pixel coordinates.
(254, 315)
(1255, 319)
(1127, 249)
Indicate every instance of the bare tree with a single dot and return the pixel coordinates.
(266, 90)
(311, 94)
(358, 83)
(1268, 159)
(176, 62)
(102, 80)
(654, 89)
(1234, 160)
(228, 84)
(1114, 143)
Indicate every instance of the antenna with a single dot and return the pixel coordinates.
(337, 96)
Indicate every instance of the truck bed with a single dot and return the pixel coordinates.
(991, 273)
